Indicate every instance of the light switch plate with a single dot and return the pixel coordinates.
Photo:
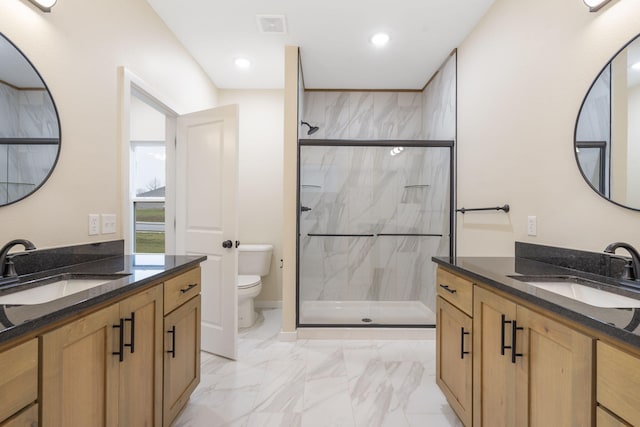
(94, 224)
(532, 226)
(108, 223)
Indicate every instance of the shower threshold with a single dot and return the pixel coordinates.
(366, 313)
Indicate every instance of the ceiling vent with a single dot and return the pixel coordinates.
(272, 24)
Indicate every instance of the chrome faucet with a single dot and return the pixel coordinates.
(6, 260)
(631, 269)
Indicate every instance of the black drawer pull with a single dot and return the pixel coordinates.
(132, 337)
(503, 347)
(514, 329)
(448, 289)
(120, 353)
(188, 288)
(462, 334)
(172, 331)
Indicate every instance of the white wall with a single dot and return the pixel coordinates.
(77, 48)
(260, 175)
(522, 75)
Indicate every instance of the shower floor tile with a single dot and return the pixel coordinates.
(308, 383)
(366, 313)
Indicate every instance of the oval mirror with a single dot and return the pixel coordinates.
(607, 134)
(29, 126)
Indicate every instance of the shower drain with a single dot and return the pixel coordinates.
(366, 320)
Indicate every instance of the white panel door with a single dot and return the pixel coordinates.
(206, 216)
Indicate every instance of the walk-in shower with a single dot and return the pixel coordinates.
(372, 214)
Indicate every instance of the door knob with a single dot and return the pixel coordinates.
(227, 244)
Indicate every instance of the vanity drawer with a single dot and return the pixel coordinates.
(19, 379)
(456, 290)
(181, 289)
(26, 418)
(618, 382)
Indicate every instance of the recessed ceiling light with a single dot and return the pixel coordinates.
(636, 66)
(242, 63)
(380, 39)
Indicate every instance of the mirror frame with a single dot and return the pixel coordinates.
(55, 109)
(575, 131)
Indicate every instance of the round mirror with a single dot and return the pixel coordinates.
(607, 135)
(29, 126)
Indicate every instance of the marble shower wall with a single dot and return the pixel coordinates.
(439, 104)
(594, 124)
(366, 190)
(426, 115)
(363, 115)
(25, 114)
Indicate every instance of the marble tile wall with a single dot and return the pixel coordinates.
(594, 124)
(25, 114)
(363, 115)
(439, 104)
(366, 190)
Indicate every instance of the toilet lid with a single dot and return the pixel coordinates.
(247, 281)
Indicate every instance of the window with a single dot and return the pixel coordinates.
(148, 187)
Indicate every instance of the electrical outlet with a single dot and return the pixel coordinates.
(108, 223)
(532, 226)
(94, 224)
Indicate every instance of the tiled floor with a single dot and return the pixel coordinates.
(361, 383)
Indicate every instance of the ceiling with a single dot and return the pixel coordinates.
(333, 36)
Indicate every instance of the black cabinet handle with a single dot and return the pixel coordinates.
(227, 244)
(448, 289)
(503, 347)
(120, 353)
(188, 288)
(514, 329)
(132, 336)
(172, 331)
(462, 334)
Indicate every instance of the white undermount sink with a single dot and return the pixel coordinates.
(61, 286)
(570, 287)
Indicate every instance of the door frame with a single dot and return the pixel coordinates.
(132, 85)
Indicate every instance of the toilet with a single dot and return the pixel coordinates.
(254, 262)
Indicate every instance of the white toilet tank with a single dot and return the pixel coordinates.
(254, 259)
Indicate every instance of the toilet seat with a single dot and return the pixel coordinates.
(247, 281)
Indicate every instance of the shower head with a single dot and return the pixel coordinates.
(312, 129)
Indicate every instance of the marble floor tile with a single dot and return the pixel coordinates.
(318, 383)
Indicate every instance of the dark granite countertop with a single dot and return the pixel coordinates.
(618, 323)
(139, 270)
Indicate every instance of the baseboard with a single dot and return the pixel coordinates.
(267, 304)
(288, 336)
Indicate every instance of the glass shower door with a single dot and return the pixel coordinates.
(371, 218)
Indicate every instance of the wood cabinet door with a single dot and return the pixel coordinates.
(494, 387)
(140, 378)
(181, 357)
(454, 358)
(19, 379)
(555, 383)
(80, 373)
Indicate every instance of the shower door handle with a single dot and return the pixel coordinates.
(227, 244)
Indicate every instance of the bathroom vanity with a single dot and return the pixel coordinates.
(510, 352)
(126, 352)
